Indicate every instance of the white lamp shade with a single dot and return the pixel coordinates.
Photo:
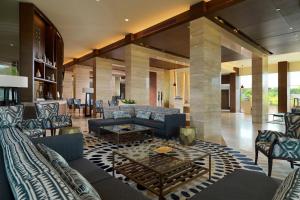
(88, 90)
(13, 81)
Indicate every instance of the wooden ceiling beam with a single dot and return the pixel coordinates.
(196, 11)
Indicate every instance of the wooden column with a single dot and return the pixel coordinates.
(283, 68)
(232, 92)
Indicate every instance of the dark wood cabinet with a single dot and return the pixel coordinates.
(41, 54)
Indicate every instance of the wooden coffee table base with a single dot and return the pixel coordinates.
(160, 183)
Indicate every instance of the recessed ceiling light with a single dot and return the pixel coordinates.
(126, 20)
(11, 44)
(98, 0)
(277, 9)
(291, 28)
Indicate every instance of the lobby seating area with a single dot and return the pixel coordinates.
(150, 100)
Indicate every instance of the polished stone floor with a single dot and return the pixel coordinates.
(237, 131)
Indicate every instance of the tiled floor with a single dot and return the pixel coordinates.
(237, 132)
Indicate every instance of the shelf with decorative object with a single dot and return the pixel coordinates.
(41, 57)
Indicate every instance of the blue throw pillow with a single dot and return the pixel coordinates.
(71, 176)
(159, 117)
(121, 114)
(143, 114)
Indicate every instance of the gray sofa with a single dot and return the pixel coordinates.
(71, 148)
(169, 128)
(241, 185)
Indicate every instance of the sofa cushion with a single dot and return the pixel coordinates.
(129, 109)
(143, 114)
(30, 175)
(116, 190)
(289, 189)
(14, 135)
(119, 114)
(140, 107)
(108, 112)
(71, 176)
(89, 170)
(240, 185)
(149, 123)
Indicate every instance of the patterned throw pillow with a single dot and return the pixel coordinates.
(121, 114)
(73, 178)
(289, 189)
(30, 175)
(108, 112)
(159, 117)
(143, 114)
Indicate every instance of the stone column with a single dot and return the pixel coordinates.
(283, 87)
(205, 77)
(103, 80)
(81, 80)
(259, 89)
(137, 74)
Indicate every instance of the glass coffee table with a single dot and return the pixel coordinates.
(125, 133)
(161, 166)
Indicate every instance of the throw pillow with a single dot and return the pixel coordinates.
(289, 189)
(121, 114)
(71, 176)
(143, 114)
(159, 117)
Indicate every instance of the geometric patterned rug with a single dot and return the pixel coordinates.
(224, 161)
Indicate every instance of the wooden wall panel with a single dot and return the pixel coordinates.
(283, 68)
(153, 88)
(233, 92)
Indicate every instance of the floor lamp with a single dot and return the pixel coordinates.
(10, 84)
(88, 101)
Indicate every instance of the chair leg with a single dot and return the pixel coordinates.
(256, 155)
(292, 164)
(270, 164)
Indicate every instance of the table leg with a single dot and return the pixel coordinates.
(209, 167)
(161, 197)
(113, 163)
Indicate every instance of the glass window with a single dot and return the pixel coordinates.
(294, 89)
(246, 93)
(273, 92)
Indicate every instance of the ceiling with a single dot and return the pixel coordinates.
(90, 24)
(274, 24)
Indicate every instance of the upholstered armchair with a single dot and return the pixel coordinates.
(12, 116)
(277, 145)
(99, 107)
(51, 119)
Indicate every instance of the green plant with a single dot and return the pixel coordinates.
(128, 101)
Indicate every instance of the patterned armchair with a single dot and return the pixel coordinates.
(48, 113)
(282, 146)
(99, 107)
(12, 116)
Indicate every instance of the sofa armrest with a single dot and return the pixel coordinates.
(69, 146)
(173, 123)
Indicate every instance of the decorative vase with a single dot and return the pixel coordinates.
(187, 136)
(38, 74)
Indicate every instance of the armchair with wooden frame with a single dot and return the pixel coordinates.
(278, 145)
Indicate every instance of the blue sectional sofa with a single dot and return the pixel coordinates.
(167, 127)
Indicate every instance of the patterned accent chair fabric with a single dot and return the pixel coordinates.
(277, 145)
(49, 114)
(12, 116)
